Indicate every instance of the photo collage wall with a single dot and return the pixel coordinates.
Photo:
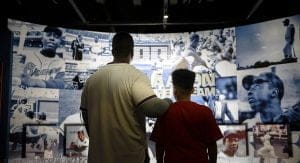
(248, 76)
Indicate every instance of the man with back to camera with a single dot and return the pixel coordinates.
(45, 68)
(187, 132)
(114, 102)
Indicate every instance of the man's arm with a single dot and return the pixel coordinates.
(212, 152)
(154, 107)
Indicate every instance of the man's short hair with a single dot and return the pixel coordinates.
(269, 77)
(55, 30)
(183, 78)
(122, 45)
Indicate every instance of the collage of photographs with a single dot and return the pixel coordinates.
(247, 75)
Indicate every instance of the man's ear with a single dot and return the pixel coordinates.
(275, 92)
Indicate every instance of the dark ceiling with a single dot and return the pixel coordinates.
(146, 16)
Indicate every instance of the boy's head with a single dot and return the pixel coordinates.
(183, 83)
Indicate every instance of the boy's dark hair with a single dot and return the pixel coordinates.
(122, 45)
(183, 78)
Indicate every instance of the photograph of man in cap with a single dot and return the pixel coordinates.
(264, 94)
(45, 67)
(288, 50)
(230, 141)
(233, 146)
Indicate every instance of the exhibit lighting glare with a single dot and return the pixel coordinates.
(166, 16)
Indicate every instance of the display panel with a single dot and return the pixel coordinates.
(234, 142)
(40, 141)
(76, 142)
(272, 141)
(49, 109)
(221, 58)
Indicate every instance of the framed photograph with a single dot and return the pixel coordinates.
(50, 108)
(272, 141)
(76, 142)
(234, 142)
(40, 141)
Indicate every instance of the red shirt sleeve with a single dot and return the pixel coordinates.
(213, 131)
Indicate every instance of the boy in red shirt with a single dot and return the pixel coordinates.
(187, 132)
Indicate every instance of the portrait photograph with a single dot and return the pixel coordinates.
(234, 142)
(268, 43)
(272, 141)
(270, 95)
(40, 141)
(76, 142)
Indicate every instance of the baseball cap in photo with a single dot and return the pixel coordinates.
(262, 78)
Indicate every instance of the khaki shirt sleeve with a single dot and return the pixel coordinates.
(141, 89)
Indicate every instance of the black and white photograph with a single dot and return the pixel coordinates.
(40, 141)
(69, 104)
(223, 102)
(49, 108)
(245, 75)
(234, 142)
(30, 106)
(224, 111)
(268, 43)
(272, 141)
(37, 56)
(76, 142)
(77, 73)
(270, 95)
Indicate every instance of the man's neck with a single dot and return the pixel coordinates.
(229, 153)
(183, 98)
(270, 111)
(120, 60)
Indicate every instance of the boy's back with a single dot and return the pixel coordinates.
(185, 132)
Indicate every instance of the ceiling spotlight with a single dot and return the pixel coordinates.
(166, 16)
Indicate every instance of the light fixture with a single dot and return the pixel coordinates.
(166, 16)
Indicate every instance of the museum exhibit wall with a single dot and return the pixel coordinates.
(229, 64)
